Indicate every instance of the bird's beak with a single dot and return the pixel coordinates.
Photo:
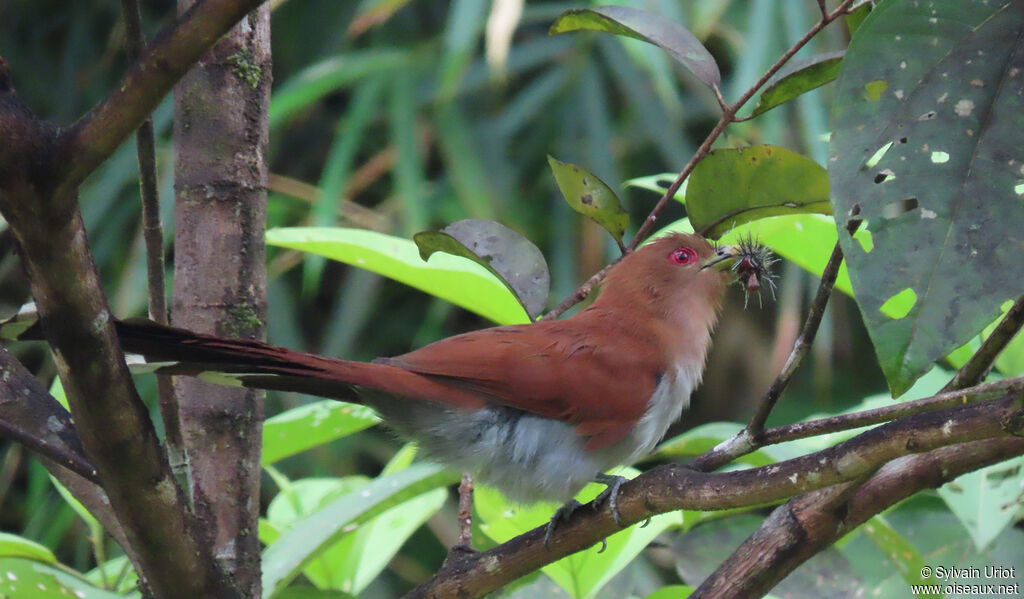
(723, 258)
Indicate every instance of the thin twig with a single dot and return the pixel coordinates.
(466, 510)
(67, 458)
(728, 116)
(153, 233)
(581, 293)
(977, 368)
(802, 345)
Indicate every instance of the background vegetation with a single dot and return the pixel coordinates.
(404, 116)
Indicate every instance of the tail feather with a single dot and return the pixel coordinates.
(259, 365)
(262, 366)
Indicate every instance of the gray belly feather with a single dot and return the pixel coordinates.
(526, 457)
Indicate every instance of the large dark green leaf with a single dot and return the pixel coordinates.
(927, 149)
(668, 35)
(514, 259)
(799, 77)
(734, 186)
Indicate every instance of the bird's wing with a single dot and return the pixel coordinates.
(553, 369)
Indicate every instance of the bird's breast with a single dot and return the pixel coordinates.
(528, 457)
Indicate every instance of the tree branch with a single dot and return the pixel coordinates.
(31, 416)
(95, 136)
(742, 443)
(980, 363)
(672, 487)
(802, 345)
(153, 234)
(40, 170)
(805, 525)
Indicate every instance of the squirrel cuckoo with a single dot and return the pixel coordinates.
(536, 410)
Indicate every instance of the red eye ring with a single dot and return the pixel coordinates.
(683, 256)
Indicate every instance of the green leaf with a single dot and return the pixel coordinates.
(320, 79)
(799, 77)
(509, 256)
(705, 437)
(671, 37)
(856, 14)
(931, 160)
(675, 591)
(456, 280)
(897, 548)
(310, 536)
(313, 424)
(581, 574)
(659, 184)
(15, 546)
(701, 550)
(590, 196)
(27, 579)
(987, 500)
(734, 186)
(807, 241)
(354, 559)
(1011, 360)
(936, 535)
(348, 136)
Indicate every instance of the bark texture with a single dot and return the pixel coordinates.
(221, 132)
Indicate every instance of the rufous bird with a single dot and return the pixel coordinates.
(535, 410)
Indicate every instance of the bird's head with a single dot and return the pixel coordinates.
(671, 273)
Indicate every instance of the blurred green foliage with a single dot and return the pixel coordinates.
(399, 116)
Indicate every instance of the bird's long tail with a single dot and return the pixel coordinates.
(254, 364)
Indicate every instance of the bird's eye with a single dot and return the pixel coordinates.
(683, 256)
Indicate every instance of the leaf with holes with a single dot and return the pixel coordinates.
(670, 36)
(735, 186)
(799, 77)
(926, 149)
(590, 196)
(506, 254)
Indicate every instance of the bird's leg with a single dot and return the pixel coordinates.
(610, 494)
(562, 514)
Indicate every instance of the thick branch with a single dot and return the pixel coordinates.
(31, 416)
(805, 525)
(220, 177)
(674, 487)
(41, 207)
(743, 443)
(96, 135)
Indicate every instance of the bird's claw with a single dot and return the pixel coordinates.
(561, 515)
(610, 495)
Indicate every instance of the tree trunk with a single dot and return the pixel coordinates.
(221, 130)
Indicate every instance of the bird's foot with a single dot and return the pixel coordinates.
(610, 495)
(562, 514)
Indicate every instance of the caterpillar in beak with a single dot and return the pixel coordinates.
(752, 266)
